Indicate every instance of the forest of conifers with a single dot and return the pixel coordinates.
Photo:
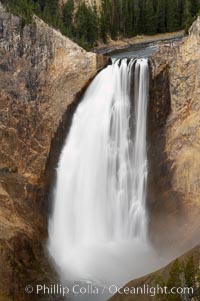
(115, 18)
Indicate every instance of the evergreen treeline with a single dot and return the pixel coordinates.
(116, 18)
(181, 275)
(132, 17)
(80, 23)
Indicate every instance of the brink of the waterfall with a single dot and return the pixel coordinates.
(98, 231)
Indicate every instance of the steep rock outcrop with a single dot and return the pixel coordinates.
(41, 73)
(174, 185)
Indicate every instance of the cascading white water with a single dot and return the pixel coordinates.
(98, 230)
(139, 166)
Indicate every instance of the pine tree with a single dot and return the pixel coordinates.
(86, 26)
(103, 27)
(24, 9)
(172, 15)
(53, 5)
(136, 18)
(115, 18)
(197, 284)
(141, 18)
(51, 13)
(195, 7)
(159, 280)
(174, 280)
(81, 23)
(93, 25)
(187, 15)
(130, 21)
(105, 17)
(190, 271)
(67, 14)
(181, 275)
(192, 277)
(161, 15)
(150, 18)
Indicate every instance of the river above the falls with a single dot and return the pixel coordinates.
(138, 50)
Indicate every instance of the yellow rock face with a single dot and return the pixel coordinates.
(176, 150)
(41, 74)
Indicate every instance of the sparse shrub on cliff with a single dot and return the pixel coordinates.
(21, 8)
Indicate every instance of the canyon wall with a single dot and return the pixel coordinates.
(174, 161)
(41, 73)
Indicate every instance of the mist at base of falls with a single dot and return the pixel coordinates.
(98, 232)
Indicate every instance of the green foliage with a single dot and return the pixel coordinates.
(181, 276)
(159, 280)
(21, 8)
(86, 29)
(67, 14)
(161, 16)
(172, 15)
(150, 18)
(192, 278)
(105, 19)
(116, 18)
(187, 15)
(190, 271)
(141, 16)
(131, 17)
(195, 7)
(174, 280)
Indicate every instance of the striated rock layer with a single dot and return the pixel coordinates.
(40, 74)
(174, 185)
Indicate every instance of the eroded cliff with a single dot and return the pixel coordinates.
(41, 73)
(174, 183)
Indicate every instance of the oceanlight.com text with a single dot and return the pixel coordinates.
(89, 289)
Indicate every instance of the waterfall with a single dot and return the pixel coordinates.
(99, 225)
(139, 165)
